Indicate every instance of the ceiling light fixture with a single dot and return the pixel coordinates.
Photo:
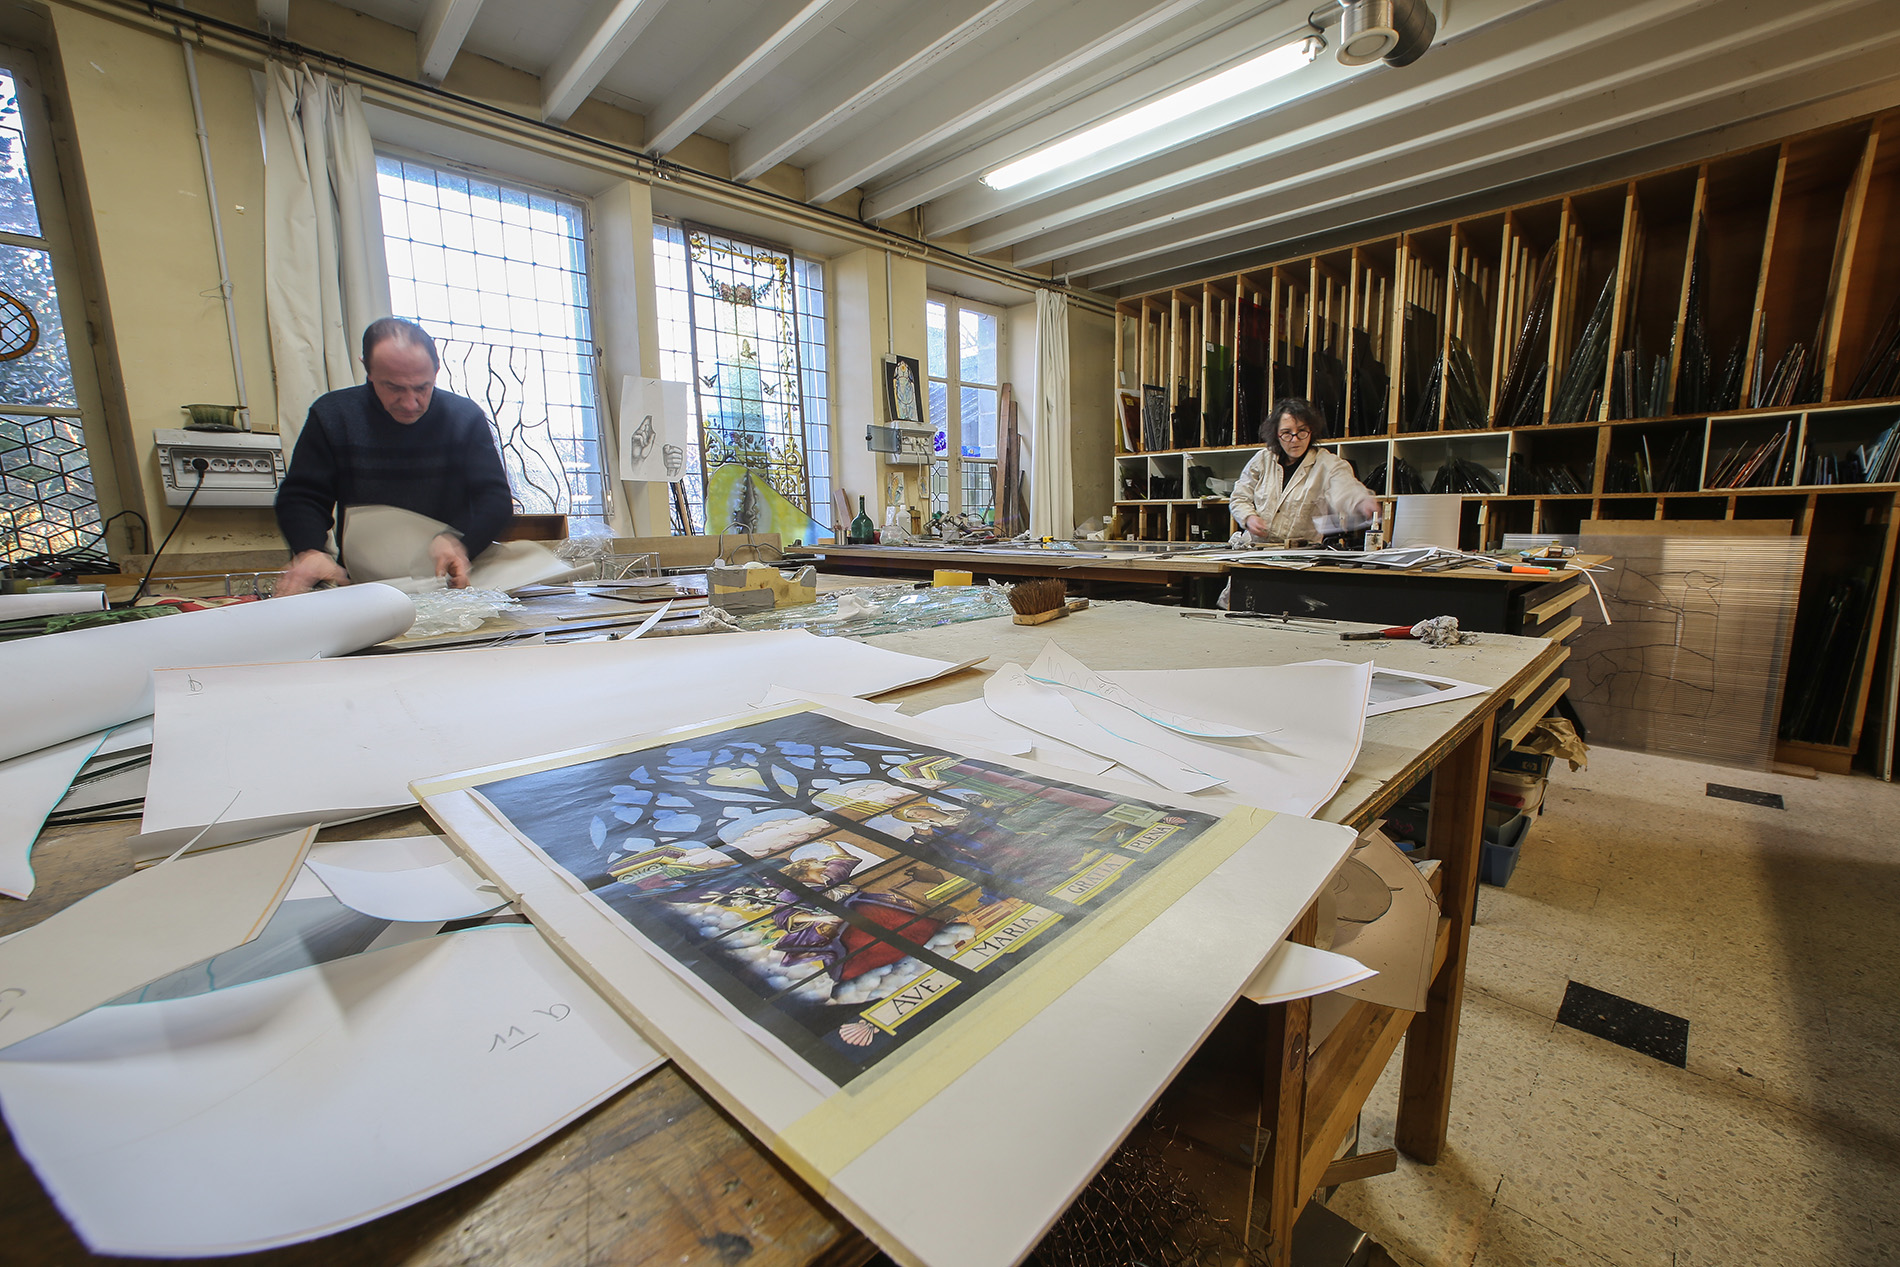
(1164, 110)
(1396, 32)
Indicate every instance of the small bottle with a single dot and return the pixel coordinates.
(863, 531)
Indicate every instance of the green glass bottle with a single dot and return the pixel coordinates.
(863, 531)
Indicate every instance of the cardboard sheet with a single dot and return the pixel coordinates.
(1016, 697)
(141, 928)
(1300, 972)
(1387, 919)
(293, 1107)
(331, 740)
(61, 686)
(1068, 1049)
(448, 890)
(30, 786)
(387, 543)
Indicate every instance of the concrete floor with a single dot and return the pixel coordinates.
(1773, 932)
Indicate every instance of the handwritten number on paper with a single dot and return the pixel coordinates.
(11, 992)
(515, 1035)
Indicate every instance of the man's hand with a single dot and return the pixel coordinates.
(450, 559)
(307, 571)
(1369, 511)
(1256, 526)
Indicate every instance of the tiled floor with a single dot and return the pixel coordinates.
(1776, 933)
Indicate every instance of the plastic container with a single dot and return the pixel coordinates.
(1500, 853)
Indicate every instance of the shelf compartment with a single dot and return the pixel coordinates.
(1737, 201)
(1839, 445)
(1431, 456)
(1331, 346)
(1757, 452)
(1662, 211)
(1865, 360)
(1596, 228)
(1420, 312)
(1555, 463)
(1373, 342)
(1655, 457)
(1529, 268)
(1814, 181)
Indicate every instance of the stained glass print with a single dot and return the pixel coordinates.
(746, 359)
(842, 889)
(498, 274)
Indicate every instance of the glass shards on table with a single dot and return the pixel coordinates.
(885, 609)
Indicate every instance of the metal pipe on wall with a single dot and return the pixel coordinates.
(217, 229)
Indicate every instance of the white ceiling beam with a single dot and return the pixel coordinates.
(1704, 131)
(274, 16)
(873, 73)
(1551, 139)
(718, 81)
(444, 27)
(1216, 40)
(958, 199)
(1443, 80)
(1035, 59)
(602, 40)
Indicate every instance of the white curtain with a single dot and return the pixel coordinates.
(325, 277)
(1051, 492)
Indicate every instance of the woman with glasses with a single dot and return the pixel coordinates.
(1290, 486)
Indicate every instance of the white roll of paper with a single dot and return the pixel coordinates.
(56, 603)
(61, 686)
(1427, 519)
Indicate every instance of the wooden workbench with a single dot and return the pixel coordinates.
(1099, 571)
(659, 1173)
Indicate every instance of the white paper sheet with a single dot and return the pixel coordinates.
(139, 929)
(61, 686)
(974, 718)
(58, 603)
(653, 422)
(1056, 667)
(445, 891)
(30, 786)
(1396, 689)
(136, 733)
(1011, 693)
(328, 740)
(388, 543)
(1300, 972)
(297, 1106)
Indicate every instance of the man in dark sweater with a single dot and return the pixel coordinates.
(394, 441)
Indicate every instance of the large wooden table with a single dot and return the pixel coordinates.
(1104, 568)
(660, 1174)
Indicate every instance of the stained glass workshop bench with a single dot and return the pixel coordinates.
(659, 1173)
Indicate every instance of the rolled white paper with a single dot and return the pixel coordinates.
(61, 686)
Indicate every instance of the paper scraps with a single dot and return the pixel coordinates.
(30, 786)
(1056, 667)
(1011, 694)
(141, 928)
(1300, 972)
(297, 1106)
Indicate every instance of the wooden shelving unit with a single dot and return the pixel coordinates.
(1740, 299)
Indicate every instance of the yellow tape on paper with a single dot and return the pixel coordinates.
(834, 1134)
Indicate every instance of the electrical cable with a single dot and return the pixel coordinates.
(201, 466)
(144, 527)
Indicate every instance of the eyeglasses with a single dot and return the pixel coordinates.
(1295, 435)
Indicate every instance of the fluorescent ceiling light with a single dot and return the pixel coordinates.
(1176, 105)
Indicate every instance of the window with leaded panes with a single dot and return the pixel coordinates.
(965, 343)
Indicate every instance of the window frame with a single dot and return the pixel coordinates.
(606, 459)
(951, 465)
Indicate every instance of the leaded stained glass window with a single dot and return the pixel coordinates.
(47, 501)
(498, 274)
(745, 324)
